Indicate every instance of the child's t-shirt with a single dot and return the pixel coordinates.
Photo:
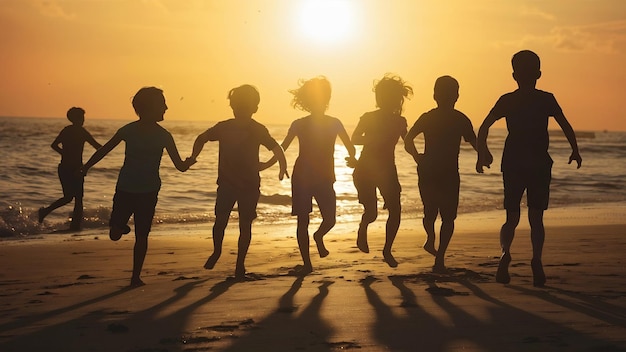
(239, 142)
(316, 138)
(526, 115)
(144, 148)
(382, 132)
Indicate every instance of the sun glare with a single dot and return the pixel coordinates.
(326, 21)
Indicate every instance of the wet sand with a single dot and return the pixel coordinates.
(68, 292)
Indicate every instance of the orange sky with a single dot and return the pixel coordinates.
(97, 53)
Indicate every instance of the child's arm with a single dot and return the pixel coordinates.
(56, 145)
(92, 141)
(172, 151)
(484, 155)
(358, 135)
(101, 152)
(282, 161)
(199, 144)
(285, 144)
(571, 138)
(351, 159)
(409, 144)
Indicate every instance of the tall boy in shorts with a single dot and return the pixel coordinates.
(138, 183)
(438, 167)
(238, 179)
(526, 164)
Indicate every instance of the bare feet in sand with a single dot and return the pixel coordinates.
(361, 240)
(321, 249)
(210, 263)
(502, 275)
(429, 247)
(389, 259)
(539, 277)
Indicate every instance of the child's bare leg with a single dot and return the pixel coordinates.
(507, 233)
(391, 230)
(245, 236)
(537, 237)
(369, 216)
(429, 227)
(44, 211)
(218, 238)
(77, 215)
(445, 235)
(139, 255)
(328, 222)
(302, 234)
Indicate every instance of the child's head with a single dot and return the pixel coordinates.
(526, 67)
(244, 100)
(313, 95)
(76, 116)
(390, 93)
(446, 91)
(149, 104)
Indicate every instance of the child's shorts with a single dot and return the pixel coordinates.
(140, 205)
(246, 199)
(302, 199)
(440, 192)
(536, 183)
(72, 181)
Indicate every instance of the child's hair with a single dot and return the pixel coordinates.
(245, 97)
(390, 93)
(446, 89)
(75, 114)
(145, 100)
(313, 94)
(526, 62)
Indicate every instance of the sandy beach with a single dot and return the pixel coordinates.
(68, 292)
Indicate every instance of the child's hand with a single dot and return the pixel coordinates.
(484, 160)
(418, 157)
(576, 156)
(188, 162)
(282, 174)
(351, 161)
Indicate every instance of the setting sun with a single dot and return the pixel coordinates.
(326, 21)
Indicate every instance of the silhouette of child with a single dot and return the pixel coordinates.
(314, 170)
(138, 183)
(238, 179)
(70, 143)
(379, 131)
(526, 164)
(438, 167)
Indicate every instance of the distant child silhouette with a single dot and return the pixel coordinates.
(238, 179)
(526, 164)
(139, 183)
(314, 171)
(379, 131)
(70, 143)
(438, 167)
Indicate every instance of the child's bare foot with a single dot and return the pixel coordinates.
(210, 263)
(439, 267)
(502, 275)
(301, 270)
(539, 277)
(321, 249)
(389, 259)
(136, 282)
(115, 233)
(42, 214)
(240, 273)
(361, 240)
(429, 247)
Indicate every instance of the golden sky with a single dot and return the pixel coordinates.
(97, 53)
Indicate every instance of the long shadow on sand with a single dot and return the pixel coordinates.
(443, 321)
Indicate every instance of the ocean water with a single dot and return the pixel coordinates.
(28, 177)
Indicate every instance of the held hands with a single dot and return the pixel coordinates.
(188, 162)
(351, 161)
(484, 160)
(576, 156)
(282, 174)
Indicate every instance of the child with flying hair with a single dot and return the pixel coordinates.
(313, 174)
(378, 132)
